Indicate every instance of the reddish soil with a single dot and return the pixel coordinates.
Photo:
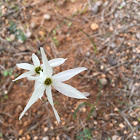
(112, 110)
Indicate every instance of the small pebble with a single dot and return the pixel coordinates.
(28, 137)
(12, 37)
(107, 117)
(18, 109)
(95, 9)
(28, 34)
(82, 109)
(138, 36)
(57, 137)
(115, 137)
(134, 137)
(95, 122)
(35, 137)
(103, 81)
(121, 125)
(45, 138)
(5, 92)
(87, 54)
(125, 132)
(32, 25)
(94, 26)
(106, 3)
(135, 123)
(123, 4)
(47, 17)
(20, 41)
(101, 67)
(45, 129)
(20, 132)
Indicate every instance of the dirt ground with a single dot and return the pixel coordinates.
(103, 36)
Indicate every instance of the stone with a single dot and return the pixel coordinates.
(115, 137)
(134, 138)
(95, 9)
(121, 125)
(94, 26)
(106, 117)
(135, 123)
(88, 54)
(45, 129)
(47, 17)
(20, 41)
(103, 81)
(28, 34)
(45, 138)
(12, 37)
(32, 25)
(138, 35)
(20, 132)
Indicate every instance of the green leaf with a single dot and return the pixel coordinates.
(13, 27)
(8, 39)
(56, 103)
(21, 36)
(10, 72)
(5, 73)
(38, 52)
(84, 135)
(5, 97)
(87, 133)
(55, 40)
(69, 24)
(54, 31)
(95, 48)
(16, 75)
(1, 135)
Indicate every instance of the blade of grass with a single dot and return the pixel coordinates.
(79, 107)
(95, 48)
(87, 104)
(97, 99)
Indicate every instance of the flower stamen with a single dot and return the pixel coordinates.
(38, 69)
(48, 81)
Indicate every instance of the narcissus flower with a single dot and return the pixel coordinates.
(37, 67)
(46, 80)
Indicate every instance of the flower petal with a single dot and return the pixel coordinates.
(68, 90)
(25, 66)
(50, 99)
(26, 74)
(66, 75)
(32, 77)
(35, 60)
(36, 94)
(47, 69)
(37, 83)
(56, 62)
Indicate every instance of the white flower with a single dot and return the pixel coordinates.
(37, 67)
(46, 80)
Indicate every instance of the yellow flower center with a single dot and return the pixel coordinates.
(38, 69)
(48, 81)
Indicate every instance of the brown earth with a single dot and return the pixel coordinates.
(100, 35)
